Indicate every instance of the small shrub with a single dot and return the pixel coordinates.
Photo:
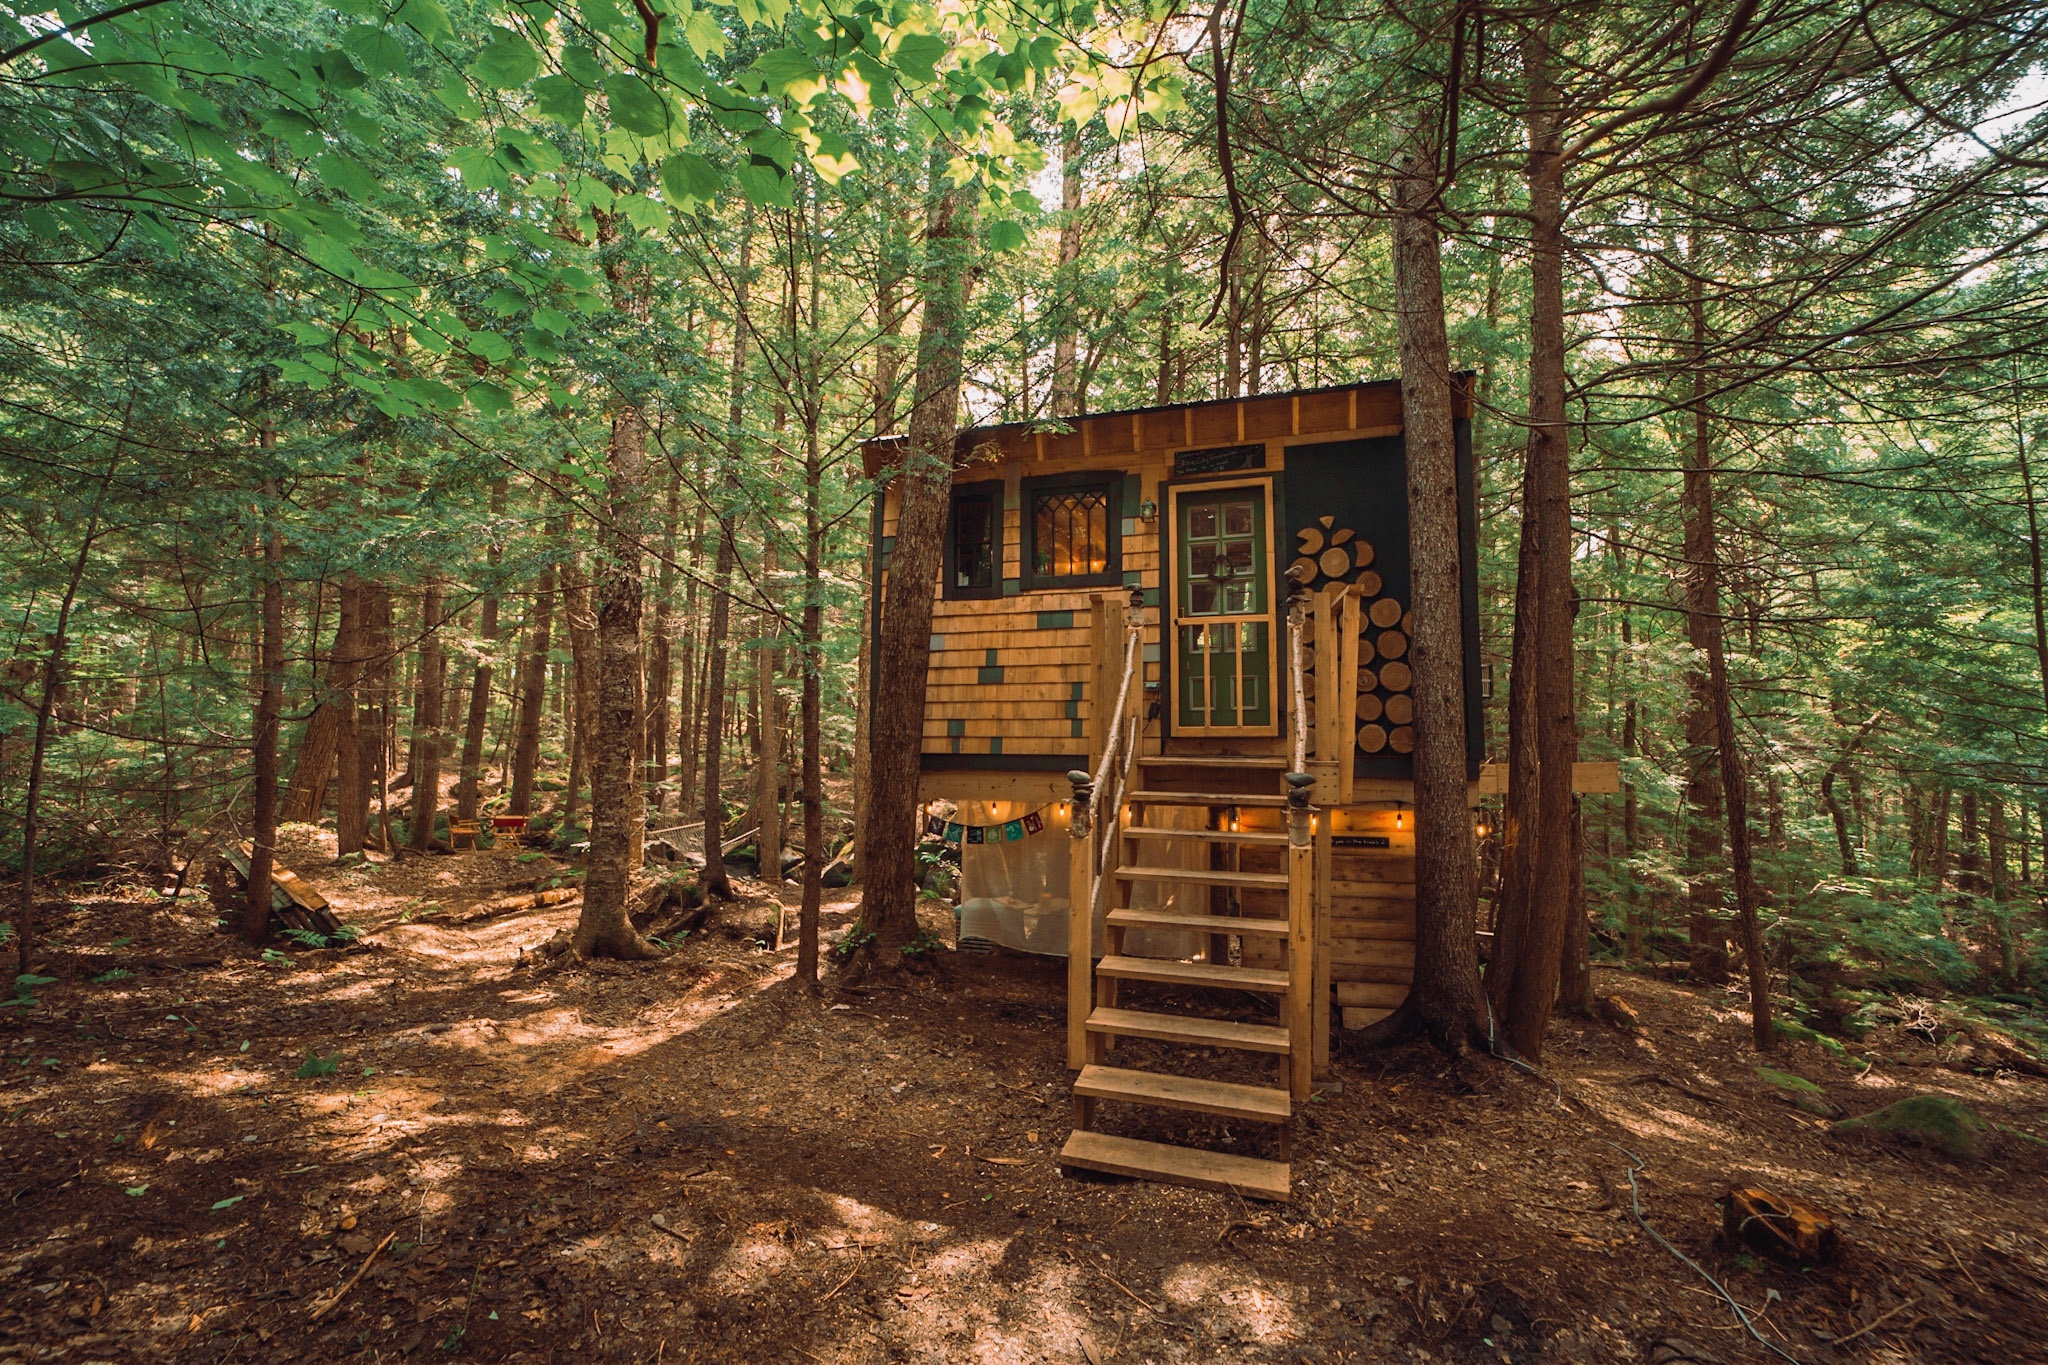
(852, 942)
(316, 1067)
(924, 945)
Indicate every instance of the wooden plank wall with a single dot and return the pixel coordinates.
(1012, 674)
(1372, 909)
(1009, 674)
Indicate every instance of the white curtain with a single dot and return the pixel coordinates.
(1014, 894)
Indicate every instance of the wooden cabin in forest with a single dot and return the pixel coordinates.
(1168, 724)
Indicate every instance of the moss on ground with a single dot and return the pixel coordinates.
(1785, 1080)
(1937, 1121)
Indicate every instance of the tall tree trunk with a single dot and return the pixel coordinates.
(714, 879)
(2037, 586)
(896, 735)
(1706, 939)
(55, 643)
(1065, 399)
(468, 793)
(372, 719)
(816, 852)
(1735, 799)
(660, 670)
(1969, 867)
(689, 704)
(320, 741)
(768, 762)
(351, 791)
(888, 365)
(1530, 990)
(583, 668)
(269, 709)
(1937, 838)
(1446, 877)
(1575, 968)
(426, 748)
(616, 794)
(1632, 902)
(533, 693)
(1995, 833)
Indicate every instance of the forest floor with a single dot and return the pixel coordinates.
(692, 1161)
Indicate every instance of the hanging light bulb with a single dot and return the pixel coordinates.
(1397, 816)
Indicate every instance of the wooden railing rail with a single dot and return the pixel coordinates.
(1098, 799)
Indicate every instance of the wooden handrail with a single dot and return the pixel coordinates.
(1098, 798)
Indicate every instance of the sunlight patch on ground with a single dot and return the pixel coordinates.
(968, 1258)
(1222, 1294)
(756, 1255)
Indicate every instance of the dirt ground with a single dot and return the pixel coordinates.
(691, 1161)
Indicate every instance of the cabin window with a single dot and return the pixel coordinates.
(974, 541)
(1071, 532)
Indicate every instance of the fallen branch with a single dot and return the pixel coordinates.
(363, 1269)
(1893, 1311)
(859, 1255)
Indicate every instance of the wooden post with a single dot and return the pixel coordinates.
(1320, 1017)
(1327, 701)
(1300, 935)
(1106, 660)
(1347, 692)
(1080, 924)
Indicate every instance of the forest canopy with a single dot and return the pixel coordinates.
(398, 392)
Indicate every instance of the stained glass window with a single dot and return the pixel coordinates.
(1073, 532)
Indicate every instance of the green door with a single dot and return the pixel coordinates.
(1223, 614)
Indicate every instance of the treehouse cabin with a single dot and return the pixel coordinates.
(1169, 726)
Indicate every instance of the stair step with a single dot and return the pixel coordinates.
(1190, 1029)
(1151, 798)
(1193, 974)
(1201, 876)
(1212, 836)
(1172, 1165)
(1254, 1103)
(1276, 765)
(1197, 924)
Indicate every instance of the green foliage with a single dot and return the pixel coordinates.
(851, 942)
(317, 1067)
(923, 944)
(24, 996)
(345, 934)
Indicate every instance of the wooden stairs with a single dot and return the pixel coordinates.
(1097, 1020)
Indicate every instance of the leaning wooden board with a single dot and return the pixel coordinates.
(295, 904)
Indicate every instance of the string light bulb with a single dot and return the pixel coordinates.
(1397, 816)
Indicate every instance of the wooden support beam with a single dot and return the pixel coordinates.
(1588, 779)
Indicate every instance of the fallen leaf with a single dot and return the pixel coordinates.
(1006, 1161)
(1089, 1349)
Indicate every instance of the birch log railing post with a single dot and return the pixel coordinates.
(1300, 863)
(1300, 936)
(1080, 923)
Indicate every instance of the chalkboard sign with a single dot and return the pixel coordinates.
(1218, 460)
(1361, 841)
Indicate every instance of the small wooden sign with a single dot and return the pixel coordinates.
(1360, 841)
(1218, 460)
